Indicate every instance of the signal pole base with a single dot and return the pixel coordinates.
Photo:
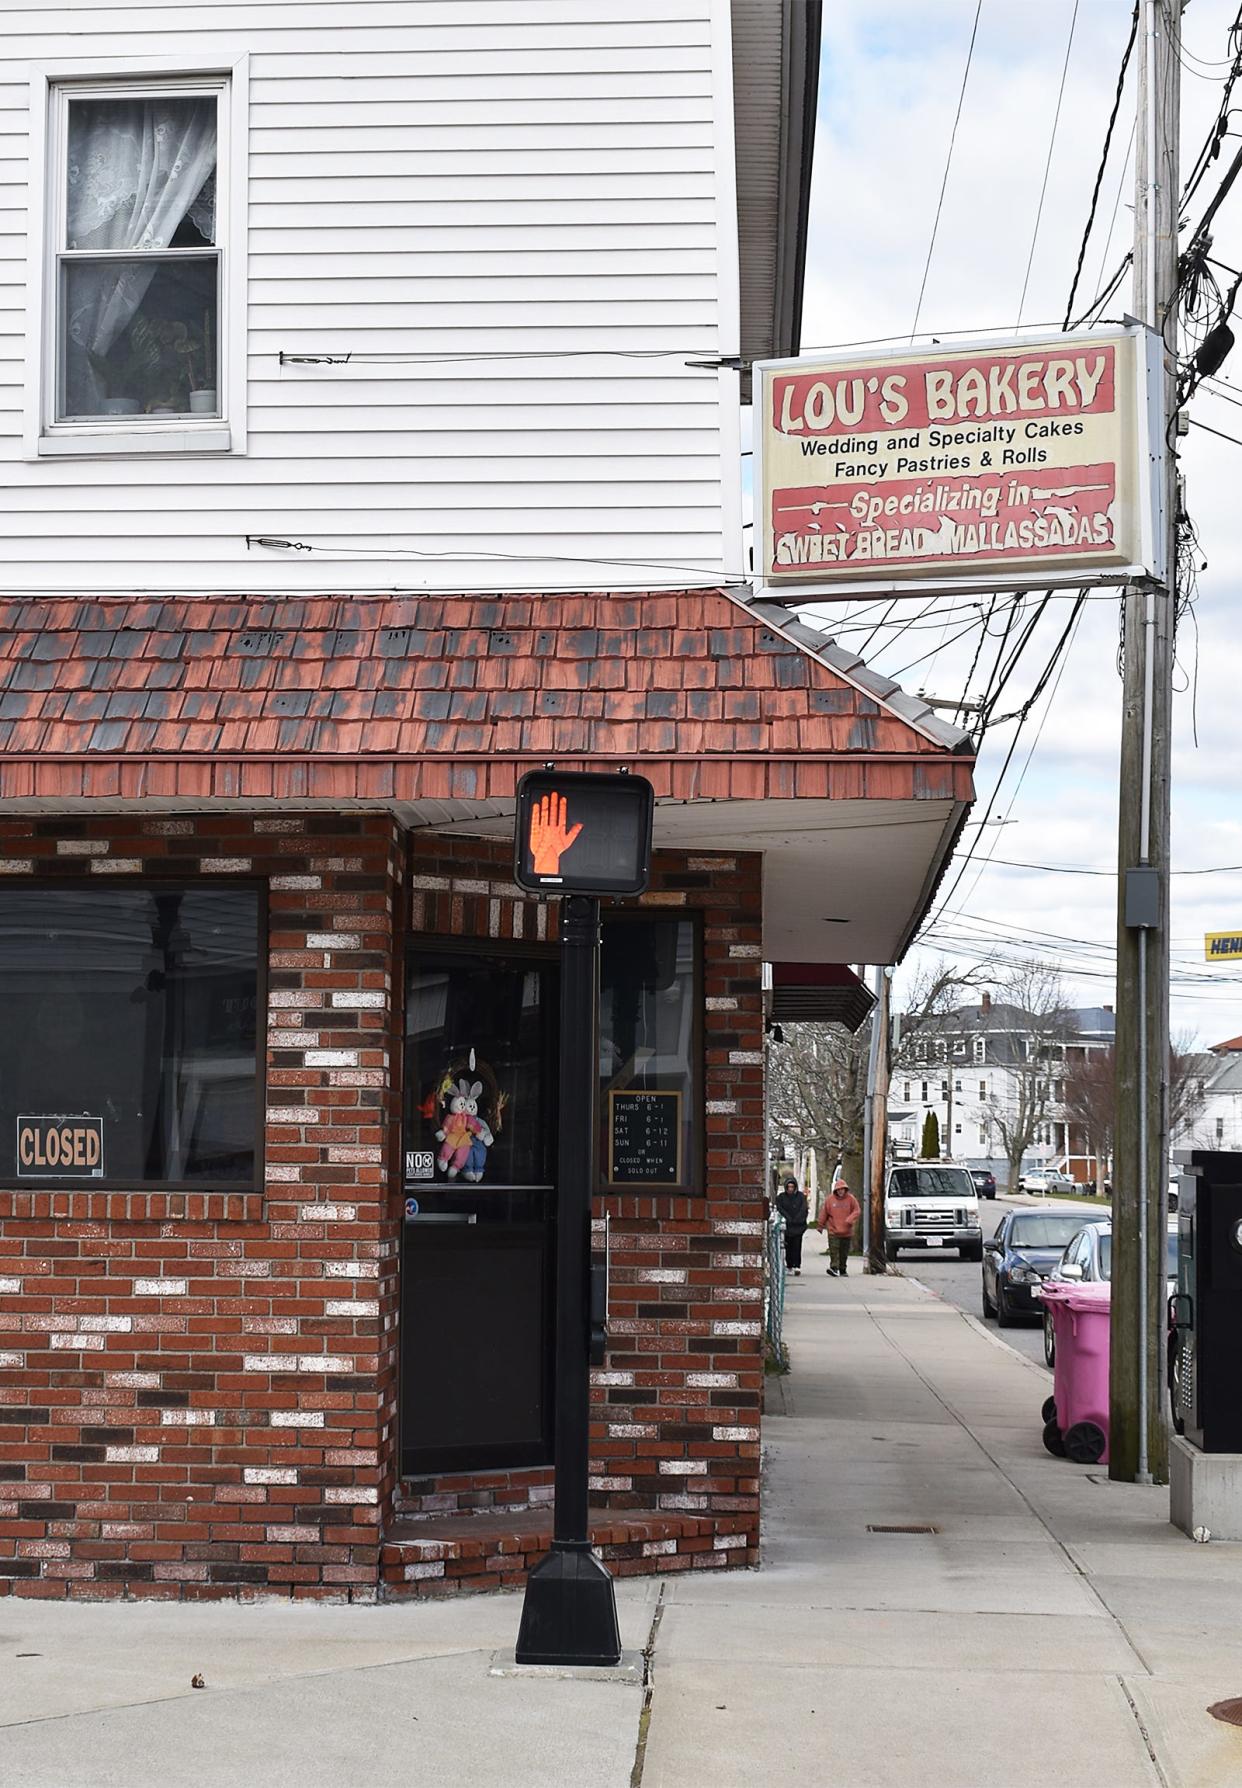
(569, 1615)
(1205, 1491)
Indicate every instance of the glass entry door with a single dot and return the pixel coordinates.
(477, 1240)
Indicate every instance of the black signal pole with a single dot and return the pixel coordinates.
(569, 1615)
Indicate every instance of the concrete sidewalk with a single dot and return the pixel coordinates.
(1053, 1626)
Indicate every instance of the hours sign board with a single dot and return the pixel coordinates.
(992, 464)
(644, 1137)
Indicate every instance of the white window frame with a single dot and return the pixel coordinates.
(52, 84)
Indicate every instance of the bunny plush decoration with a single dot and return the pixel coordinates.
(464, 1138)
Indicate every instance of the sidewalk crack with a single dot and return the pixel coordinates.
(1144, 1734)
(644, 1718)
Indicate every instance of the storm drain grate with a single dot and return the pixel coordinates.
(1229, 1711)
(915, 1527)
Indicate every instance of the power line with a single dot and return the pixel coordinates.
(1220, 125)
(1082, 869)
(974, 30)
(1043, 190)
(1059, 657)
(1219, 433)
(1099, 176)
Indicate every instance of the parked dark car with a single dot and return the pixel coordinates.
(1025, 1249)
(985, 1182)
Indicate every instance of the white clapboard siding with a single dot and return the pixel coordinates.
(515, 217)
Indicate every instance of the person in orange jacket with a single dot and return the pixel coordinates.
(838, 1214)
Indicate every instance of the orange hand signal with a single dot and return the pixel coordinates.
(549, 836)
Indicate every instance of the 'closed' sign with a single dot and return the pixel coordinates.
(59, 1145)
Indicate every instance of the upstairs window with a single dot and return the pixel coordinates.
(137, 307)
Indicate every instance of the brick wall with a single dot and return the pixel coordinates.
(197, 1394)
(198, 1391)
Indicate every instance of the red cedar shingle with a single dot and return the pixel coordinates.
(107, 693)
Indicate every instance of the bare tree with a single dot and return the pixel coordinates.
(932, 997)
(1032, 1022)
(1186, 1088)
(1091, 1095)
(817, 1085)
(817, 1079)
(1091, 1103)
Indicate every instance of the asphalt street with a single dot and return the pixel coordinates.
(959, 1282)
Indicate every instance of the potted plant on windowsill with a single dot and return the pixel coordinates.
(202, 395)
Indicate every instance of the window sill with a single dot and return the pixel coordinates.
(215, 437)
(132, 1207)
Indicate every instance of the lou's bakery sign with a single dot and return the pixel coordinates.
(60, 1145)
(999, 463)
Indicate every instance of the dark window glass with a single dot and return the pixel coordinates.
(140, 264)
(931, 1182)
(649, 1053)
(478, 1038)
(132, 1011)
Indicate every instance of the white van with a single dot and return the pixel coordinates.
(932, 1204)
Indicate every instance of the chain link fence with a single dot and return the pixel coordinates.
(774, 1285)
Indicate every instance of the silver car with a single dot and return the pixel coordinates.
(1046, 1179)
(1088, 1258)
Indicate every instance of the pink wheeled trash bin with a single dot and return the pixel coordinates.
(1076, 1415)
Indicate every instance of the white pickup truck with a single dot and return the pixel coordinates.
(932, 1204)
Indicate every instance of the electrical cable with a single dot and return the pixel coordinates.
(1043, 190)
(1216, 135)
(947, 165)
(1219, 433)
(1100, 171)
(1059, 658)
(1082, 869)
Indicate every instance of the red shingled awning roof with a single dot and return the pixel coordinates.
(750, 725)
(393, 698)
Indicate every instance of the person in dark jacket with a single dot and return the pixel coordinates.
(792, 1205)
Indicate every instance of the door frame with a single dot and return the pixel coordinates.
(456, 1462)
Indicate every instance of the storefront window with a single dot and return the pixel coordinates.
(650, 1054)
(479, 1096)
(128, 1049)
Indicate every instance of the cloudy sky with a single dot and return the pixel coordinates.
(892, 74)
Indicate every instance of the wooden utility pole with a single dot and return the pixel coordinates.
(1138, 1443)
(877, 1257)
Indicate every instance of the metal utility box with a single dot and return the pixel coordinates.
(1205, 1331)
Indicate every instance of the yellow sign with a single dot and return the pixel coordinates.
(1223, 946)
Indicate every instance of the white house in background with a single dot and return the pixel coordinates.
(965, 1068)
(1218, 1122)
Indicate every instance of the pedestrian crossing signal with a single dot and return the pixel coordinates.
(583, 832)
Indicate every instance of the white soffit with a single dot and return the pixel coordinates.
(842, 880)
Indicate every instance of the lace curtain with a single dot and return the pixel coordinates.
(136, 169)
